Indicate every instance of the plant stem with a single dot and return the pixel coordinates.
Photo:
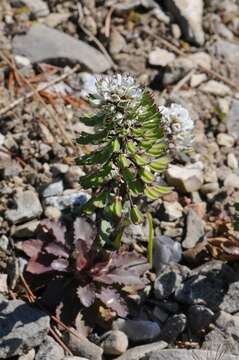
(151, 238)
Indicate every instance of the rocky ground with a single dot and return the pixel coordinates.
(185, 52)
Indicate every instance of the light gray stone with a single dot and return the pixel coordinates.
(42, 44)
(138, 330)
(225, 140)
(194, 230)
(114, 343)
(230, 302)
(180, 354)
(165, 251)
(50, 350)
(197, 79)
(38, 7)
(83, 347)
(185, 179)
(232, 181)
(173, 210)
(117, 42)
(78, 198)
(28, 207)
(29, 356)
(188, 14)
(232, 117)
(161, 57)
(139, 352)
(22, 327)
(53, 189)
(215, 88)
(232, 161)
(25, 230)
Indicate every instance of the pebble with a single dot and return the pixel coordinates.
(53, 189)
(176, 32)
(159, 314)
(210, 188)
(168, 281)
(194, 230)
(115, 342)
(224, 105)
(61, 202)
(22, 327)
(165, 251)
(73, 175)
(52, 213)
(50, 350)
(4, 242)
(117, 42)
(42, 43)
(3, 283)
(225, 140)
(231, 119)
(138, 331)
(188, 15)
(28, 207)
(215, 88)
(181, 354)
(197, 79)
(174, 326)
(143, 351)
(59, 168)
(21, 61)
(160, 15)
(232, 161)
(25, 230)
(232, 181)
(185, 179)
(230, 303)
(199, 318)
(173, 210)
(38, 7)
(161, 57)
(83, 347)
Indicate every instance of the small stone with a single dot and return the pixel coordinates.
(138, 330)
(225, 140)
(224, 105)
(143, 351)
(160, 15)
(232, 161)
(199, 318)
(4, 242)
(173, 210)
(165, 251)
(195, 230)
(22, 327)
(197, 79)
(215, 88)
(28, 207)
(185, 179)
(159, 314)
(74, 358)
(58, 169)
(210, 188)
(38, 7)
(134, 233)
(161, 57)
(29, 356)
(50, 350)
(25, 230)
(188, 14)
(21, 61)
(232, 181)
(53, 189)
(231, 119)
(114, 343)
(73, 175)
(230, 303)
(52, 213)
(3, 283)
(176, 32)
(117, 42)
(174, 326)
(83, 347)
(180, 354)
(168, 281)
(78, 198)
(55, 19)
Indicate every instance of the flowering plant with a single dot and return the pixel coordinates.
(134, 138)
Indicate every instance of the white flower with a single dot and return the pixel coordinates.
(178, 126)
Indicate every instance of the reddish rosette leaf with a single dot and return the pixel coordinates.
(86, 295)
(56, 249)
(56, 229)
(37, 268)
(31, 248)
(80, 262)
(84, 231)
(112, 299)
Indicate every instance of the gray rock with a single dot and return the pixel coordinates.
(53, 189)
(173, 210)
(185, 179)
(174, 326)
(29, 356)
(231, 119)
(220, 340)
(225, 140)
(209, 188)
(28, 207)
(115, 342)
(197, 79)
(135, 233)
(194, 230)
(161, 57)
(215, 88)
(25, 230)
(201, 289)
(38, 7)
(74, 358)
(165, 251)
(159, 315)
(78, 198)
(22, 327)
(50, 350)
(224, 321)
(3, 283)
(138, 330)
(227, 51)
(4, 242)
(117, 42)
(232, 181)
(199, 318)
(188, 14)
(42, 43)
(83, 347)
(169, 280)
(139, 352)
(230, 301)
(232, 161)
(180, 354)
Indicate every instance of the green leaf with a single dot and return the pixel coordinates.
(93, 120)
(146, 175)
(151, 193)
(116, 207)
(122, 161)
(98, 157)
(163, 189)
(130, 146)
(135, 215)
(101, 199)
(94, 139)
(136, 188)
(159, 164)
(140, 160)
(151, 238)
(96, 178)
(146, 144)
(128, 176)
(116, 145)
(156, 149)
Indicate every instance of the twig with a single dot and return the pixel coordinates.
(58, 339)
(39, 89)
(203, 68)
(108, 22)
(183, 81)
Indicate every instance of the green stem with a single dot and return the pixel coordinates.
(151, 238)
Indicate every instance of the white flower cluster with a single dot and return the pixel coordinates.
(117, 88)
(178, 126)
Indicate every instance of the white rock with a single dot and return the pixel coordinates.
(174, 210)
(176, 31)
(2, 139)
(185, 179)
(232, 181)
(232, 161)
(160, 15)
(22, 61)
(197, 79)
(38, 7)
(188, 14)
(114, 343)
(225, 140)
(215, 88)
(224, 105)
(161, 57)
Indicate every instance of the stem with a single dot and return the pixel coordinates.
(151, 236)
